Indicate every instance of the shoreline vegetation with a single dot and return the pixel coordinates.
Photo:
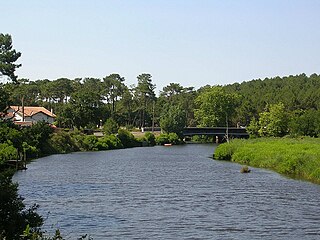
(294, 157)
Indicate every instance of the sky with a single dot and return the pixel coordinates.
(191, 42)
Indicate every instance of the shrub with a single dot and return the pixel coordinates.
(109, 142)
(127, 139)
(14, 217)
(174, 138)
(162, 139)
(62, 142)
(150, 138)
(90, 142)
(78, 138)
(7, 152)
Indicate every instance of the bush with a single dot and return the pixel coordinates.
(109, 142)
(174, 138)
(7, 152)
(14, 217)
(150, 138)
(62, 142)
(162, 139)
(38, 135)
(171, 138)
(90, 143)
(127, 139)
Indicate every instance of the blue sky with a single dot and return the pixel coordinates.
(192, 42)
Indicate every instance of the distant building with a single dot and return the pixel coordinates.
(29, 115)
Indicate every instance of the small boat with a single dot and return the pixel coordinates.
(167, 144)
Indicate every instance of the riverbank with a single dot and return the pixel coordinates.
(295, 157)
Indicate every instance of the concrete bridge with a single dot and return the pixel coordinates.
(233, 132)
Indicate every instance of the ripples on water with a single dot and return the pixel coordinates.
(168, 193)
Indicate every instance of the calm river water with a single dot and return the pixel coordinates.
(175, 192)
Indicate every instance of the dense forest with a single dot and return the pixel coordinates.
(89, 102)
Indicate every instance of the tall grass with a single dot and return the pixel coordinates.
(298, 157)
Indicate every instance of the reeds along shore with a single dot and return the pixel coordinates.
(296, 157)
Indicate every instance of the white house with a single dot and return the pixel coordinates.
(30, 114)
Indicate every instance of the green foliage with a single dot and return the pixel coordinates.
(298, 92)
(294, 157)
(38, 135)
(162, 139)
(10, 133)
(305, 123)
(144, 94)
(127, 139)
(31, 235)
(203, 139)
(225, 151)
(7, 152)
(90, 143)
(109, 142)
(253, 128)
(150, 138)
(14, 217)
(274, 121)
(176, 95)
(110, 126)
(114, 89)
(62, 142)
(8, 57)
(174, 138)
(215, 107)
(171, 138)
(4, 100)
(173, 120)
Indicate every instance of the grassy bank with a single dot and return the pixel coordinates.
(293, 157)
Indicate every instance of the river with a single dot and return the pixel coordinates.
(176, 192)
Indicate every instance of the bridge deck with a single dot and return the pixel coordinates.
(215, 131)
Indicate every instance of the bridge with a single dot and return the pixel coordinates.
(233, 132)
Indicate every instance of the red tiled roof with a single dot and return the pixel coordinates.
(30, 111)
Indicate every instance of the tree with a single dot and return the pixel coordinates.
(110, 126)
(175, 94)
(215, 107)
(85, 105)
(253, 128)
(126, 105)
(274, 121)
(61, 89)
(4, 99)
(305, 123)
(8, 57)
(114, 88)
(171, 90)
(14, 217)
(144, 93)
(173, 120)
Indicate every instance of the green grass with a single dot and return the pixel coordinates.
(296, 157)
